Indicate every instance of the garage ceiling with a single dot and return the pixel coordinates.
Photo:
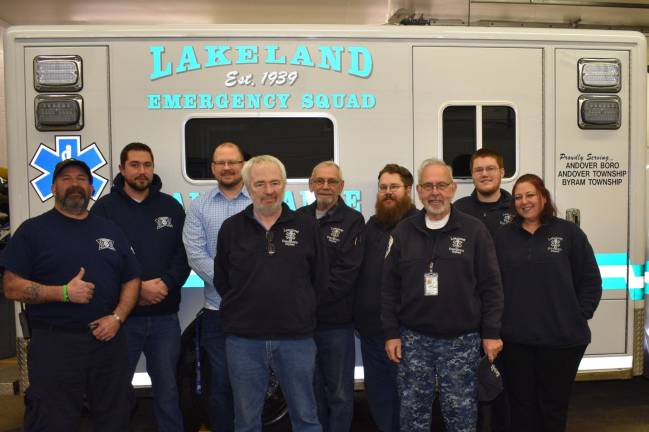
(19, 12)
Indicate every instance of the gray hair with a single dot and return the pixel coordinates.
(258, 160)
(433, 162)
(328, 163)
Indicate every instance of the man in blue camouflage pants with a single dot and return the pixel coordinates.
(441, 296)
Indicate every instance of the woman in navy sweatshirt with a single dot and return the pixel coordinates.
(552, 287)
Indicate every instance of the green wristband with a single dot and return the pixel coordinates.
(66, 297)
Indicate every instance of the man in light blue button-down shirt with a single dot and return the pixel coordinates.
(202, 225)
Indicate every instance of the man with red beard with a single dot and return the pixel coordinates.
(393, 204)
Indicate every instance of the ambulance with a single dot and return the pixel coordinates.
(567, 104)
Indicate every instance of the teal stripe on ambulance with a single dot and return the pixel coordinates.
(610, 261)
(615, 269)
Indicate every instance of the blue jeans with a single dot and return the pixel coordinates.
(292, 360)
(220, 410)
(453, 365)
(380, 384)
(158, 337)
(334, 378)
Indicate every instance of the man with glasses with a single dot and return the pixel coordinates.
(441, 296)
(269, 265)
(341, 229)
(204, 219)
(491, 204)
(393, 204)
(488, 202)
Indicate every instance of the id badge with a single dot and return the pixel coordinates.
(431, 284)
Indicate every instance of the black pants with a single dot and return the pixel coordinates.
(539, 383)
(63, 367)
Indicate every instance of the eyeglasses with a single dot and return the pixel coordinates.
(226, 163)
(429, 187)
(270, 246)
(274, 184)
(319, 181)
(489, 170)
(391, 188)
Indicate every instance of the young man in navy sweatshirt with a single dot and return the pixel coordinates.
(153, 222)
(492, 205)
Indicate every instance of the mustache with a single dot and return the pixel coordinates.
(74, 189)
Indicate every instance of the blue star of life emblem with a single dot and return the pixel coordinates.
(45, 159)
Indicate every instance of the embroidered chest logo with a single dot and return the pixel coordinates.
(335, 234)
(506, 218)
(105, 243)
(457, 245)
(163, 222)
(290, 237)
(555, 244)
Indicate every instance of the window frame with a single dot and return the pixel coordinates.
(478, 132)
(292, 114)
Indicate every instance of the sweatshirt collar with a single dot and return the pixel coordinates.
(503, 201)
(243, 192)
(334, 214)
(287, 214)
(419, 221)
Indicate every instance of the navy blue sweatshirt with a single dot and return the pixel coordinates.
(269, 281)
(367, 295)
(470, 295)
(342, 230)
(493, 215)
(154, 228)
(551, 281)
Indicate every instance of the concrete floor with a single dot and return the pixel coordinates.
(603, 406)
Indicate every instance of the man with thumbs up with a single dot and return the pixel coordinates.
(79, 278)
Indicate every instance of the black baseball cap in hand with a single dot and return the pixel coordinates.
(490, 383)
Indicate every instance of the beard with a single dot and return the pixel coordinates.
(75, 204)
(139, 186)
(230, 184)
(268, 209)
(392, 214)
(327, 201)
(442, 210)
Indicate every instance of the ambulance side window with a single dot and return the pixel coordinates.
(299, 142)
(466, 128)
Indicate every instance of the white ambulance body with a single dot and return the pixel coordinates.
(569, 105)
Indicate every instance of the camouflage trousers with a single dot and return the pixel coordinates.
(452, 365)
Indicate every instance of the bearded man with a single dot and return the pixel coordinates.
(79, 278)
(393, 204)
(153, 223)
